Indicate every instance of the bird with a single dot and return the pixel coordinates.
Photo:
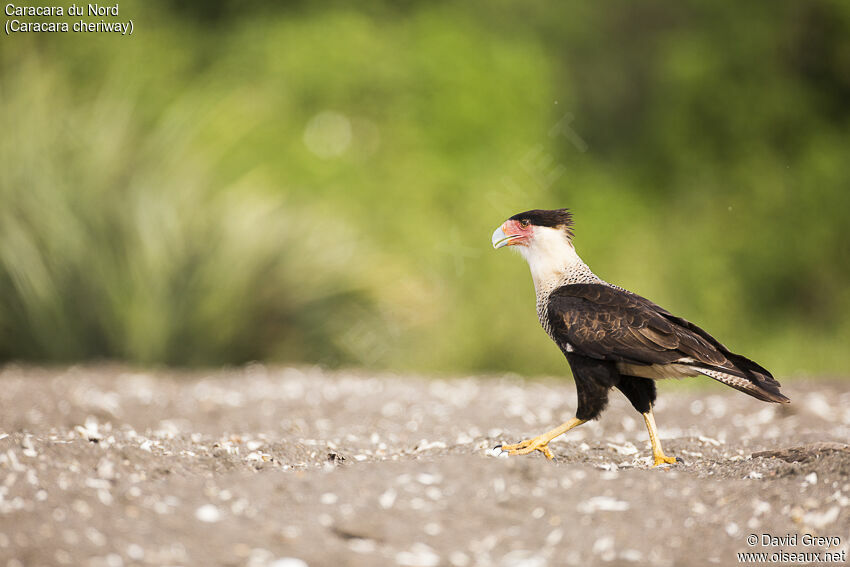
(613, 338)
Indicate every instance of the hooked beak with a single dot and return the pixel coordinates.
(500, 239)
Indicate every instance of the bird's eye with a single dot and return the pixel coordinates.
(524, 223)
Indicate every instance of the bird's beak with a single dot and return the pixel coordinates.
(501, 239)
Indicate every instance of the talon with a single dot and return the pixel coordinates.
(529, 446)
(665, 460)
(541, 442)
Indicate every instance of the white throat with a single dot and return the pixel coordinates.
(553, 261)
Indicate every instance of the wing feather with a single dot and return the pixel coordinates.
(612, 324)
(645, 340)
(665, 340)
(608, 323)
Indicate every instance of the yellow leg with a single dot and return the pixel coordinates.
(657, 454)
(541, 442)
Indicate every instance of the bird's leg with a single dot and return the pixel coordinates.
(541, 442)
(657, 454)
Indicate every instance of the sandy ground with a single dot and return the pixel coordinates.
(291, 467)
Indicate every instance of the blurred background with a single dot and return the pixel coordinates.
(318, 183)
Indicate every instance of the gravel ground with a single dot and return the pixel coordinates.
(289, 467)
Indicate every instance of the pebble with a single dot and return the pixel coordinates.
(427, 479)
(90, 430)
(820, 520)
(28, 447)
(625, 449)
(425, 445)
(258, 456)
(106, 469)
(602, 504)
(288, 562)
(523, 558)
(387, 499)
(603, 545)
(420, 555)
(362, 545)
(135, 552)
(208, 513)
(497, 452)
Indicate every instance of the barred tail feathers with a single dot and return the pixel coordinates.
(767, 391)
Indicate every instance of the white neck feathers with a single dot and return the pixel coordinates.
(553, 261)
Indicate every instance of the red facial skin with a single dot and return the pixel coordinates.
(520, 235)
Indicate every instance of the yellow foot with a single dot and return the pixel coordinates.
(661, 459)
(529, 446)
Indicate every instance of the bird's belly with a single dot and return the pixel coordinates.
(657, 371)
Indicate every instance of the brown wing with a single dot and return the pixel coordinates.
(607, 323)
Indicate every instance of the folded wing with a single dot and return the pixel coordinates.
(608, 323)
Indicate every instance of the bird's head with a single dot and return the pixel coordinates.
(543, 237)
(534, 228)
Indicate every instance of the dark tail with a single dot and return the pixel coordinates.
(739, 372)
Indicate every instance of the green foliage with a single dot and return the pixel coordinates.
(320, 184)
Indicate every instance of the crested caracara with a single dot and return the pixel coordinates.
(613, 338)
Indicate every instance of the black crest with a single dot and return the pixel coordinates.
(556, 218)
